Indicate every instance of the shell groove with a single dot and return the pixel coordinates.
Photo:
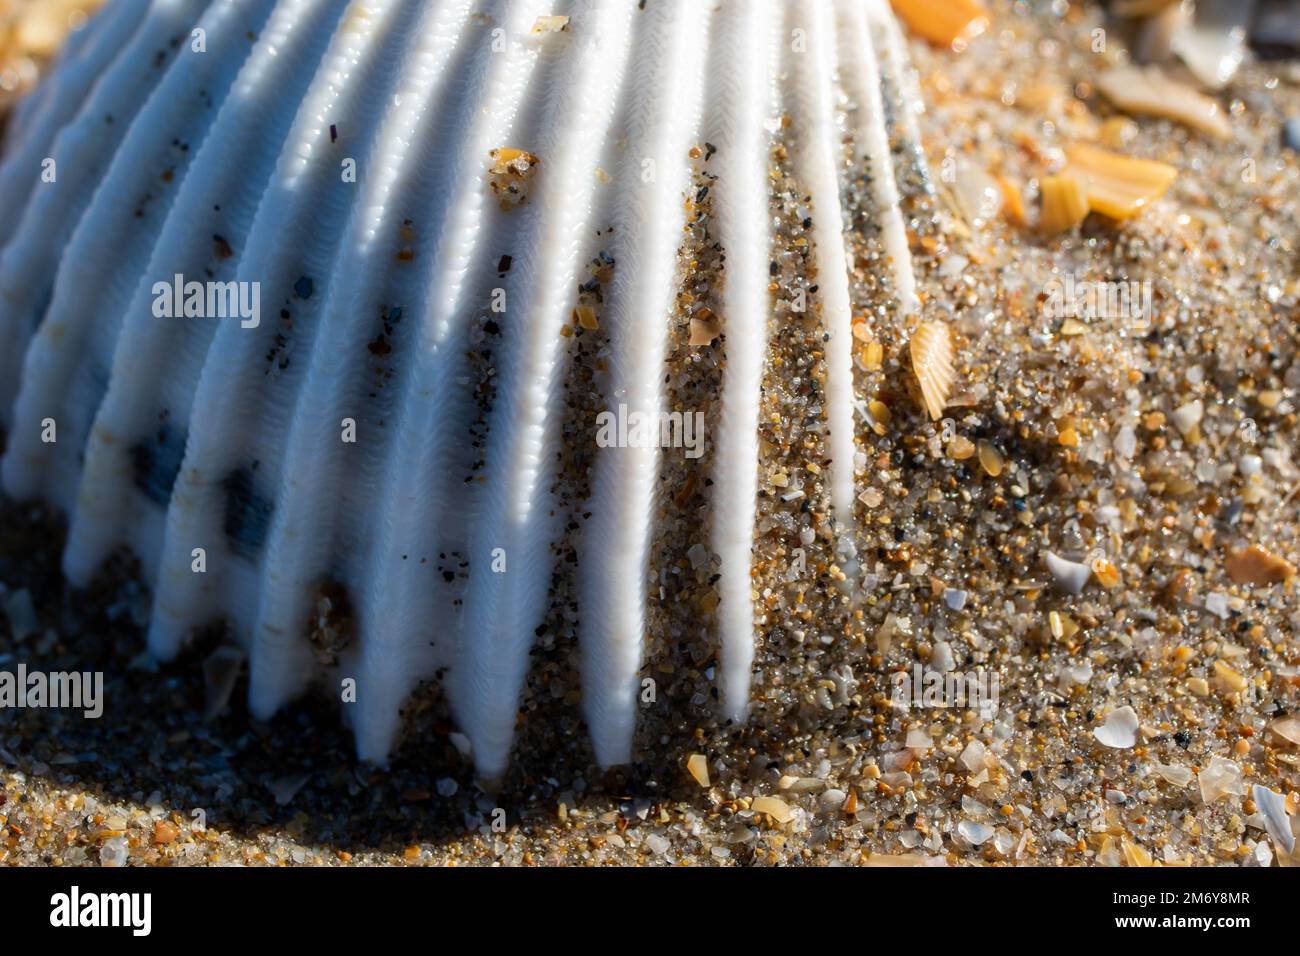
(435, 246)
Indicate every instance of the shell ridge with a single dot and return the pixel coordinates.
(239, 408)
(649, 221)
(815, 132)
(871, 131)
(157, 361)
(63, 375)
(502, 610)
(38, 118)
(82, 152)
(398, 607)
(319, 464)
(741, 205)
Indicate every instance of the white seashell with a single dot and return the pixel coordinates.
(327, 165)
(1119, 730)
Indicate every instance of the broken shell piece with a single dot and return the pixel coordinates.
(1288, 728)
(960, 448)
(552, 24)
(1229, 679)
(775, 808)
(1117, 186)
(1135, 855)
(972, 758)
(284, 789)
(990, 459)
(1156, 34)
(1107, 574)
(1072, 576)
(1147, 91)
(1062, 626)
(1272, 806)
(1254, 565)
(977, 195)
(1213, 45)
(943, 22)
(1065, 204)
(918, 740)
(1013, 201)
(1120, 729)
(705, 327)
(698, 767)
(1074, 676)
(1178, 776)
(1221, 778)
(932, 361)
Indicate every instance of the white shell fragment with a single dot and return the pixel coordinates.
(1272, 806)
(1119, 730)
(305, 308)
(1208, 36)
(1149, 92)
(1222, 778)
(972, 758)
(1213, 45)
(1174, 774)
(1072, 576)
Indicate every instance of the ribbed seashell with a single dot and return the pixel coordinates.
(437, 212)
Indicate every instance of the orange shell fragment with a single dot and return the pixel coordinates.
(943, 22)
(1118, 186)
